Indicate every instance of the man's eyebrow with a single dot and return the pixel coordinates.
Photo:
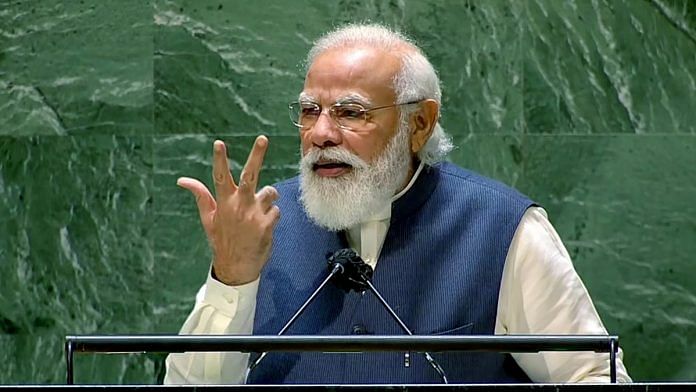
(304, 97)
(355, 98)
(350, 98)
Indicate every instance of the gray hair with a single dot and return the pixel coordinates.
(416, 80)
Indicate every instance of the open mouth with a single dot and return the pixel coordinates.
(331, 169)
(330, 165)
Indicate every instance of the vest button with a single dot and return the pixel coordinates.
(359, 329)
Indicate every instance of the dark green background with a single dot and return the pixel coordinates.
(587, 106)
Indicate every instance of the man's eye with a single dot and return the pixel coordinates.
(310, 111)
(350, 112)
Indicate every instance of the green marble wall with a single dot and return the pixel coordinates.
(586, 105)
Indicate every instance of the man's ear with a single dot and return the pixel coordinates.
(422, 123)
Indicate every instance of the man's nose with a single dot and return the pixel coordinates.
(325, 132)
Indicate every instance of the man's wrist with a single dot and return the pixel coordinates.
(224, 279)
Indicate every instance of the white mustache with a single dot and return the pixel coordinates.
(332, 154)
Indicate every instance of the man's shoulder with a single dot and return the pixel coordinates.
(455, 178)
(290, 184)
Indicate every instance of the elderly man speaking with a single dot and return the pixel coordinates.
(453, 252)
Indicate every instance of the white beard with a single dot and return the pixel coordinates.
(337, 203)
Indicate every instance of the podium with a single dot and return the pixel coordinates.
(119, 344)
(371, 343)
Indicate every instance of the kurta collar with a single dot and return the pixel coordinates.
(368, 237)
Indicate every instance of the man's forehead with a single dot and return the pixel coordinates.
(351, 74)
(355, 59)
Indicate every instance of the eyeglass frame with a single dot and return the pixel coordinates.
(339, 104)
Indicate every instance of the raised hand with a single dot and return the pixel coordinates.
(238, 221)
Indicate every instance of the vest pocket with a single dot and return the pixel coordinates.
(460, 330)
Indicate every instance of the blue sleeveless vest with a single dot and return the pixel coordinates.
(440, 269)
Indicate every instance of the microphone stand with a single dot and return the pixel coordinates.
(356, 275)
(336, 269)
(403, 326)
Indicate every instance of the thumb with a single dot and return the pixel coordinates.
(204, 200)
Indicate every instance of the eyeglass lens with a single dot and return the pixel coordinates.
(351, 116)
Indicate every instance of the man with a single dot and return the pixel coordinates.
(454, 252)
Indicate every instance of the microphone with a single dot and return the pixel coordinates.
(333, 270)
(356, 275)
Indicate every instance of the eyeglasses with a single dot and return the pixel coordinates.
(348, 116)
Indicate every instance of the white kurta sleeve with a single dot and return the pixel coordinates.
(219, 309)
(541, 293)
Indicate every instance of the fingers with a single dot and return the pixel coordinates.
(274, 215)
(224, 183)
(239, 223)
(266, 197)
(250, 174)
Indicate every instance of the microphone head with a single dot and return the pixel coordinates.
(355, 272)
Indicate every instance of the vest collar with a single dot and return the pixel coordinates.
(417, 194)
